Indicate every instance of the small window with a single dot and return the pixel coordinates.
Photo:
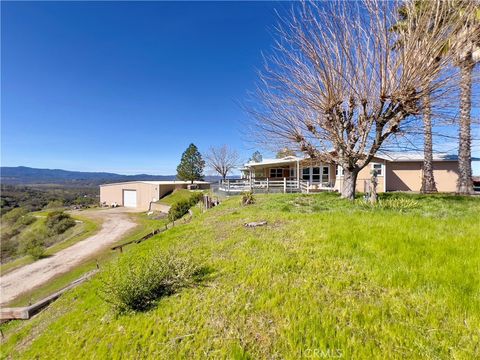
(325, 174)
(306, 174)
(339, 171)
(276, 173)
(315, 174)
(292, 172)
(378, 168)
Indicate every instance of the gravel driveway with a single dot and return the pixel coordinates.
(115, 224)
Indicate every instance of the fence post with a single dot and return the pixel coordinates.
(228, 185)
(284, 185)
(268, 186)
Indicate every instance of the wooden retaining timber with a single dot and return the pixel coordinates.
(26, 312)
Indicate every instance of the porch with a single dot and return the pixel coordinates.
(289, 174)
(272, 185)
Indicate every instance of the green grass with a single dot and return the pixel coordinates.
(324, 278)
(79, 232)
(176, 196)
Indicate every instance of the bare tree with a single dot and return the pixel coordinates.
(337, 88)
(222, 160)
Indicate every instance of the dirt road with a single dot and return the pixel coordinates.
(115, 224)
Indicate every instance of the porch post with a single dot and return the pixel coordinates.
(250, 179)
(284, 185)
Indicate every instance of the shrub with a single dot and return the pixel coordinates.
(55, 204)
(136, 283)
(85, 201)
(26, 220)
(58, 222)
(396, 204)
(33, 243)
(399, 204)
(248, 198)
(181, 207)
(13, 215)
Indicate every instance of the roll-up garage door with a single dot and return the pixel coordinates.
(130, 198)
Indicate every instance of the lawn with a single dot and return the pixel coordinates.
(177, 196)
(324, 278)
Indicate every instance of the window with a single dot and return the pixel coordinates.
(325, 174)
(339, 171)
(306, 174)
(292, 172)
(276, 173)
(315, 174)
(378, 168)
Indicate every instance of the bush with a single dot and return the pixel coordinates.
(248, 198)
(58, 222)
(181, 207)
(13, 215)
(85, 201)
(396, 204)
(55, 204)
(136, 283)
(33, 243)
(26, 220)
(399, 204)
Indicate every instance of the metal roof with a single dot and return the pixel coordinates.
(389, 156)
(164, 182)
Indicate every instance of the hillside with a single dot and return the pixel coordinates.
(22, 175)
(325, 278)
(26, 175)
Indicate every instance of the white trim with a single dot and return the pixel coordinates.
(339, 171)
(382, 168)
(385, 176)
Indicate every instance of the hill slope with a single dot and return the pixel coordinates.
(26, 175)
(324, 279)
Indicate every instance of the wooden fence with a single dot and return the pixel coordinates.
(26, 312)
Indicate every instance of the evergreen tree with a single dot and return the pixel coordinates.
(256, 157)
(191, 165)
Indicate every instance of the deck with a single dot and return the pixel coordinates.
(268, 185)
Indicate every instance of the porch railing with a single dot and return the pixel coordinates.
(271, 185)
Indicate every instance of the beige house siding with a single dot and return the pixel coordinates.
(365, 175)
(396, 175)
(407, 176)
(145, 193)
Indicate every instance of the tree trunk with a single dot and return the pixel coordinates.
(349, 184)
(428, 181)
(465, 183)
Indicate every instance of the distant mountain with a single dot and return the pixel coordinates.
(22, 175)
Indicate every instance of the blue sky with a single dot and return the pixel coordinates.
(126, 86)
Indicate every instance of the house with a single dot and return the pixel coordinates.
(139, 194)
(395, 172)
